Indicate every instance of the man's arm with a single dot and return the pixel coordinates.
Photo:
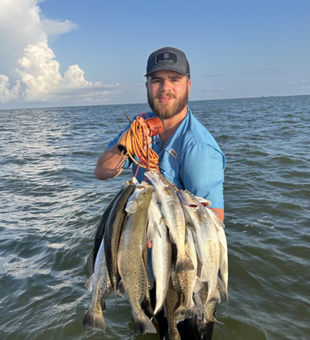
(109, 164)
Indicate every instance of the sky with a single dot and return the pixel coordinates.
(94, 52)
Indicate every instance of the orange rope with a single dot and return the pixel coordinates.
(140, 141)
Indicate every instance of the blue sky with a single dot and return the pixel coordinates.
(78, 52)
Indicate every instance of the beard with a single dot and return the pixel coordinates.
(164, 112)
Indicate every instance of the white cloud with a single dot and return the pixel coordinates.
(52, 27)
(39, 71)
(74, 77)
(29, 71)
(5, 93)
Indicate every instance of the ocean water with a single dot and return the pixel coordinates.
(50, 204)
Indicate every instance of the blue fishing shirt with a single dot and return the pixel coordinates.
(191, 159)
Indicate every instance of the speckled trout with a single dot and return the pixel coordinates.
(113, 232)
(99, 284)
(223, 251)
(184, 283)
(99, 235)
(173, 217)
(206, 238)
(161, 252)
(131, 265)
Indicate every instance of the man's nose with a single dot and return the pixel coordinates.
(165, 84)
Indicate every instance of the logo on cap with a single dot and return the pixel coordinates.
(165, 58)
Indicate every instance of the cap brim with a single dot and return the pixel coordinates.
(166, 69)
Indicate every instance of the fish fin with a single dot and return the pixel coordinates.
(94, 320)
(147, 306)
(143, 325)
(204, 274)
(216, 221)
(103, 305)
(222, 289)
(131, 207)
(157, 228)
(175, 282)
(150, 231)
(194, 235)
(90, 264)
(184, 264)
(198, 285)
(89, 283)
(224, 269)
(164, 221)
(121, 289)
(149, 278)
(172, 240)
(190, 225)
(134, 181)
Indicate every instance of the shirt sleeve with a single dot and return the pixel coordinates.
(128, 161)
(202, 173)
(114, 141)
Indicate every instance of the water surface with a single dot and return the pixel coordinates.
(51, 202)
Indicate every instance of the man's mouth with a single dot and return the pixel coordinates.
(165, 98)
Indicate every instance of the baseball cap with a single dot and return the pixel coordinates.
(168, 58)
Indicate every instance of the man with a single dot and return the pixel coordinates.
(189, 157)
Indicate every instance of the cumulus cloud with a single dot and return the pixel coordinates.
(5, 93)
(29, 70)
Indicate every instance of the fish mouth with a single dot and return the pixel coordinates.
(151, 172)
(152, 176)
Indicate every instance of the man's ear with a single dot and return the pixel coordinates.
(189, 86)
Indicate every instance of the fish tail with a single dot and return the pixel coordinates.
(94, 320)
(184, 264)
(143, 325)
(213, 319)
(182, 313)
(210, 311)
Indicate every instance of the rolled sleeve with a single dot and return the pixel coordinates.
(202, 173)
(128, 161)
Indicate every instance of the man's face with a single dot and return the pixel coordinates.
(167, 93)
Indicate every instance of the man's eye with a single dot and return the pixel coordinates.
(155, 81)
